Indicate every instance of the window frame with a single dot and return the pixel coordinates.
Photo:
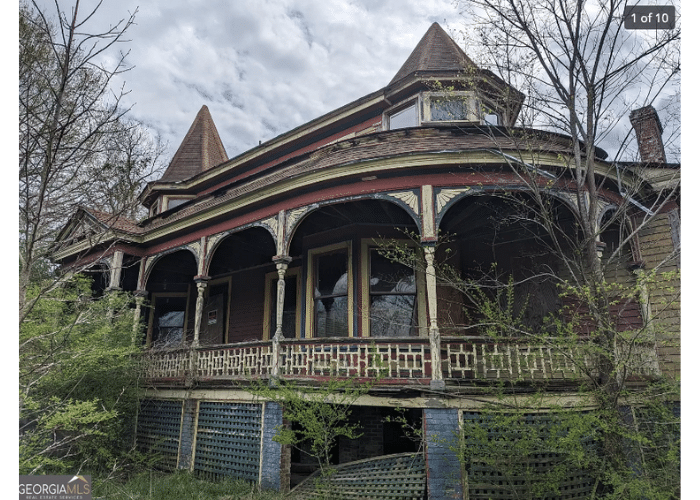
(367, 244)
(401, 107)
(310, 300)
(151, 317)
(182, 199)
(470, 98)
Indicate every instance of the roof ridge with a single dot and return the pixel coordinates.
(200, 150)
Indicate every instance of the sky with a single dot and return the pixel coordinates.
(262, 67)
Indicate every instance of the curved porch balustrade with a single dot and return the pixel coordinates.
(389, 361)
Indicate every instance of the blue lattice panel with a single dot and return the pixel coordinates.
(158, 430)
(228, 440)
(490, 483)
(389, 477)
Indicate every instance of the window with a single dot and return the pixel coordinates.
(491, 119)
(331, 294)
(173, 202)
(329, 291)
(392, 297)
(450, 106)
(404, 118)
(167, 323)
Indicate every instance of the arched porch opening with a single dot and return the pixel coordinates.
(98, 274)
(349, 288)
(508, 250)
(171, 298)
(234, 300)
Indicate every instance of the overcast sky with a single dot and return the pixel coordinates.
(262, 67)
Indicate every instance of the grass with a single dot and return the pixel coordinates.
(179, 485)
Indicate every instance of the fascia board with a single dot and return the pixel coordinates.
(355, 168)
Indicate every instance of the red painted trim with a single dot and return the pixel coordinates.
(357, 188)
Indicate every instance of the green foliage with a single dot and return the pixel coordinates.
(77, 380)
(532, 447)
(317, 416)
(616, 432)
(179, 485)
(516, 447)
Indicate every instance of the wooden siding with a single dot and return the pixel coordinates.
(658, 252)
(247, 305)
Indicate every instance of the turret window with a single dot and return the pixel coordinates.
(404, 118)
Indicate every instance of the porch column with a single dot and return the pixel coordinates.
(282, 262)
(201, 288)
(115, 270)
(434, 332)
(140, 297)
(442, 462)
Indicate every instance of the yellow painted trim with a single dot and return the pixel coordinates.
(194, 434)
(310, 274)
(351, 169)
(572, 399)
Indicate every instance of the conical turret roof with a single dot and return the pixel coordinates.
(435, 52)
(201, 149)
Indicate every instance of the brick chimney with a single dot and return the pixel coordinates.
(648, 128)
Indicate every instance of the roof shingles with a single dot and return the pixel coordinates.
(201, 149)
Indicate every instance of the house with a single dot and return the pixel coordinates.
(269, 265)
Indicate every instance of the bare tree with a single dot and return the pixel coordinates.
(77, 382)
(582, 74)
(76, 144)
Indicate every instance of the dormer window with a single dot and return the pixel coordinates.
(492, 119)
(451, 107)
(405, 117)
(176, 202)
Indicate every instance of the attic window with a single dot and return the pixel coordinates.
(491, 119)
(176, 202)
(404, 118)
(450, 107)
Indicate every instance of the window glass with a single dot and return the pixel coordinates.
(176, 202)
(407, 117)
(449, 108)
(331, 294)
(392, 298)
(168, 321)
(491, 119)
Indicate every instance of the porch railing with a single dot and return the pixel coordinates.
(389, 360)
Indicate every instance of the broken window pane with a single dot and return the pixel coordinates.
(330, 294)
(169, 321)
(449, 108)
(392, 298)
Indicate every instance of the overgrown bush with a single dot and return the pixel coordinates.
(78, 381)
